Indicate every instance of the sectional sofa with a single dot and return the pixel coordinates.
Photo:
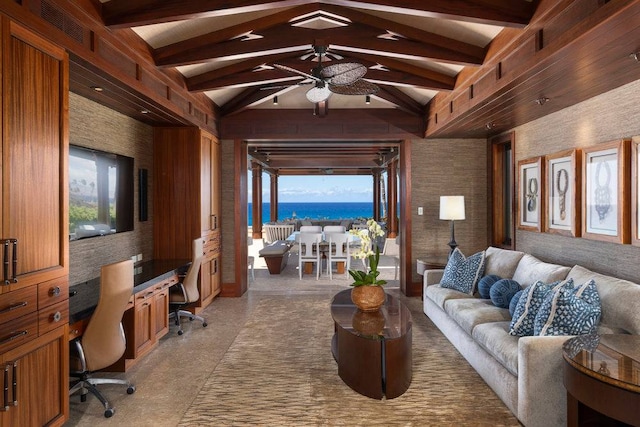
(525, 372)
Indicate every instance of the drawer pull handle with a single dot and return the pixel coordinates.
(13, 337)
(14, 307)
(14, 261)
(74, 332)
(15, 383)
(55, 291)
(56, 317)
(5, 406)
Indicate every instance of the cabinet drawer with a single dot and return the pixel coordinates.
(77, 329)
(18, 331)
(165, 284)
(143, 296)
(53, 292)
(17, 303)
(52, 317)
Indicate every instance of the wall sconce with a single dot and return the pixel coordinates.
(452, 209)
(367, 99)
(490, 125)
(635, 56)
(275, 100)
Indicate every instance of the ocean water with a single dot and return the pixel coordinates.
(316, 211)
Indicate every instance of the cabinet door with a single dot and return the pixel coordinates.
(161, 307)
(144, 321)
(215, 183)
(40, 373)
(208, 221)
(34, 154)
(206, 289)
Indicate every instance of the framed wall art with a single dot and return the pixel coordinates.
(635, 192)
(531, 199)
(605, 192)
(563, 193)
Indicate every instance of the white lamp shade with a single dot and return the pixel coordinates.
(452, 207)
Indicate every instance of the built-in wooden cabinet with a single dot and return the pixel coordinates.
(34, 308)
(187, 202)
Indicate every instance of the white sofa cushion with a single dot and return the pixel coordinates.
(495, 339)
(619, 298)
(468, 313)
(501, 262)
(530, 269)
(440, 295)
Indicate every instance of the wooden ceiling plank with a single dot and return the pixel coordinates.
(506, 13)
(191, 49)
(245, 99)
(409, 32)
(131, 13)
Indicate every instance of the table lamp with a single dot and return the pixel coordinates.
(452, 209)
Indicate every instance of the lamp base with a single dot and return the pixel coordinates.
(452, 243)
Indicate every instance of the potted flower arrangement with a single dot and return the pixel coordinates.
(367, 293)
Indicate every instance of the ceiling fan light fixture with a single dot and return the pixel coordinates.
(318, 93)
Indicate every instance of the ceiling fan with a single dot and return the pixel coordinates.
(344, 78)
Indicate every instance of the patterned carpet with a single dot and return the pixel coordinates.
(279, 372)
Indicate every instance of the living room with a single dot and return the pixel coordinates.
(445, 151)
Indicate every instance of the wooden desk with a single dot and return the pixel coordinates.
(602, 378)
(146, 318)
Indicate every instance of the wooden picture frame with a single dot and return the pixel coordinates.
(563, 192)
(635, 192)
(531, 198)
(605, 192)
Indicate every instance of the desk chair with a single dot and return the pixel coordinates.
(186, 292)
(103, 342)
(309, 251)
(392, 250)
(338, 251)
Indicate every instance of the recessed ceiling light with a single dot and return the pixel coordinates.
(144, 111)
(97, 88)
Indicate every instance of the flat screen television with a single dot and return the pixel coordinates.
(100, 193)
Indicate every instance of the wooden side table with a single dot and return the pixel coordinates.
(602, 378)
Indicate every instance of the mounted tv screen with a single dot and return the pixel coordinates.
(100, 193)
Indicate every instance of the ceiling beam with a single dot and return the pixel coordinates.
(131, 13)
(400, 99)
(245, 99)
(284, 38)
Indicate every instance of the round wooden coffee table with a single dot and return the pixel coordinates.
(602, 378)
(373, 350)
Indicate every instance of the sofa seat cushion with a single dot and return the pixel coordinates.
(501, 262)
(440, 295)
(470, 312)
(619, 299)
(531, 269)
(495, 339)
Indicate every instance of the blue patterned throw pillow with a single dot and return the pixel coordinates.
(462, 274)
(485, 284)
(514, 302)
(569, 310)
(502, 291)
(525, 312)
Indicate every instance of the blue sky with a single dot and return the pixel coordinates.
(326, 188)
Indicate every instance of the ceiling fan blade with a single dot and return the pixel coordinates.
(293, 70)
(359, 87)
(345, 73)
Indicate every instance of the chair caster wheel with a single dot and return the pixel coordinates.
(190, 319)
(131, 389)
(204, 324)
(109, 413)
(83, 397)
(180, 332)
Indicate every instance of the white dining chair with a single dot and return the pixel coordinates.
(334, 229)
(392, 250)
(309, 251)
(338, 251)
(310, 229)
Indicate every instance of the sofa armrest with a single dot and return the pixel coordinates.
(432, 277)
(542, 398)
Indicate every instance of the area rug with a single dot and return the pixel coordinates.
(279, 371)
